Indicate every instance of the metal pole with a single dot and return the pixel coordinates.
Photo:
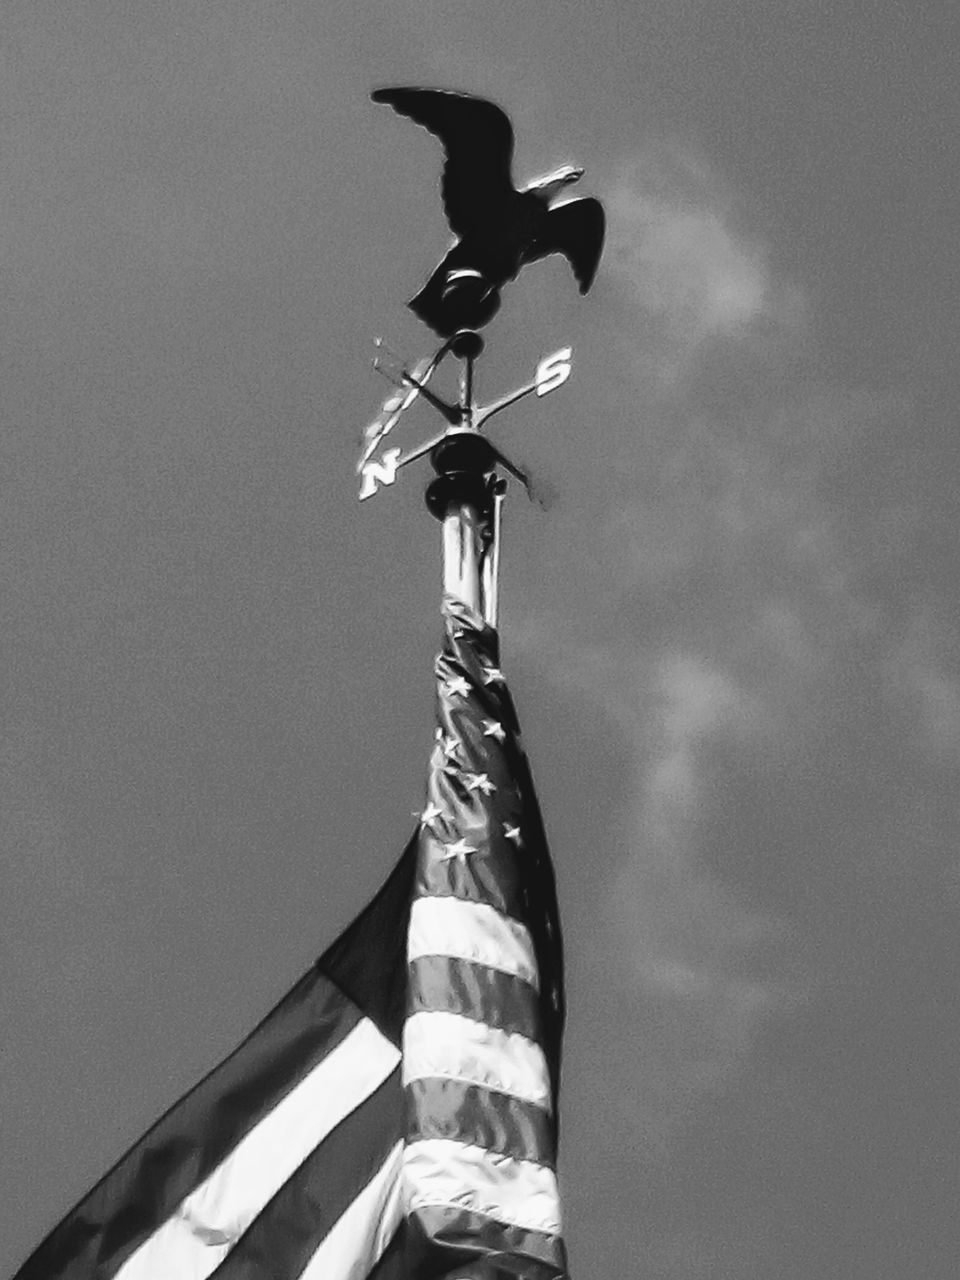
(491, 559)
(462, 552)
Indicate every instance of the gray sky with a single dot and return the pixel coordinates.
(733, 641)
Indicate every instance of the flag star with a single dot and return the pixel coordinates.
(492, 675)
(493, 729)
(458, 685)
(459, 850)
(512, 833)
(479, 782)
(430, 814)
(449, 746)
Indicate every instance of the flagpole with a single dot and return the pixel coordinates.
(491, 561)
(467, 498)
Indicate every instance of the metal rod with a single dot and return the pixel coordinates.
(462, 552)
(466, 391)
(468, 498)
(491, 560)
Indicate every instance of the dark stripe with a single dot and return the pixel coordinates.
(368, 966)
(482, 1117)
(442, 984)
(368, 960)
(392, 1264)
(441, 1238)
(284, 1237)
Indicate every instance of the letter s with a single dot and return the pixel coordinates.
(553, 371)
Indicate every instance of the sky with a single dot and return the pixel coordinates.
(732, 638)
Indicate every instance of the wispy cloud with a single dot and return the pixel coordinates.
(777, 683)
(678, 250)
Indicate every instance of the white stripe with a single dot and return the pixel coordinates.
(207, 1224)
(437, 1171)
(357, 1240)
(471, 931)
(457, 1048)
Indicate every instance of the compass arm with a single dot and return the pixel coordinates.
(534, 490)
(395, 405)
(417, 384)
(504, 403)
(450, 412)
(552, 372)
(511, 468)
(420, 451)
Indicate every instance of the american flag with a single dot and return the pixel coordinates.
(395, 1114)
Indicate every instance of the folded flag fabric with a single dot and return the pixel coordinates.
(481, 1041)
(394, 1116)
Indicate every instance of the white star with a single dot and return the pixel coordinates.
(492, 675)
(493, 729)
(479, 782)
(430, 815)
(458, 685)
(513, 834)
(449, 746)
(460, 850)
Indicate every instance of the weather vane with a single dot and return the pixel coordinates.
(499, 230)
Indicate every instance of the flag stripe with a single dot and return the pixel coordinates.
(367, 961)
(295, 1226)
(482, 1118)
(456, 1175)
(392, 1262)
(440, 984)
(364, 1231)
(210, 1220)
(471, 931)
(444, 1045)
(195, 1135)
(464, 1234)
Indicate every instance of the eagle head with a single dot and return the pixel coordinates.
(551, 184)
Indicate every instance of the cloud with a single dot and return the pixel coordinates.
(676, 247)
(771, 645)
(919, 671)
(685, 938)
(786, 713)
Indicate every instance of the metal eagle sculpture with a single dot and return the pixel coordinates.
(499, 228)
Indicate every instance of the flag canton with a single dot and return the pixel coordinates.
(472, 824)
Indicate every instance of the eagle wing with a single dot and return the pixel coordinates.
(478, 140)
(576, 230)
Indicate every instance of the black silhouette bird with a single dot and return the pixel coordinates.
(500, 229)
